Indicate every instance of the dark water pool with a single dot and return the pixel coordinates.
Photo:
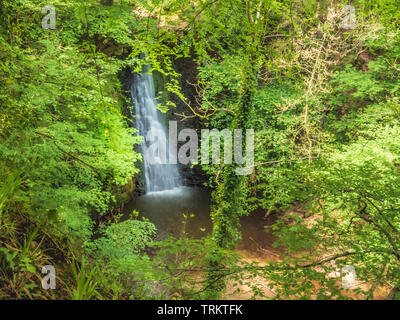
(166, 209)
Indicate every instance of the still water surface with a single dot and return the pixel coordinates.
(166, 209)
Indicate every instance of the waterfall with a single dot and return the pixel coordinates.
(159, 176)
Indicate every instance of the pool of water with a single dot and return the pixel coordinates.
(166, 209)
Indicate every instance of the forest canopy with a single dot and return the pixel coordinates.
(320, 90)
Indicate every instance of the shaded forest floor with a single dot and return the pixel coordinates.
(257, 246)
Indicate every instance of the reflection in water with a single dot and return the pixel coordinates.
(166, 208)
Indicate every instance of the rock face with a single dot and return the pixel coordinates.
(114, 49)
(110, 47)
(126, 193)
(188, 70)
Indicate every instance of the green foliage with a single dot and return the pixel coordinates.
(324, 104)
(357, 215)
(385, 10)
(62, 126)
(325, 141)
(85, 284)
(177, 260)
(65, 146)
(123, 239)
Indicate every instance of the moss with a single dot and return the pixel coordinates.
(124, 194)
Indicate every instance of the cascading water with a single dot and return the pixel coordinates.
(158, 175)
